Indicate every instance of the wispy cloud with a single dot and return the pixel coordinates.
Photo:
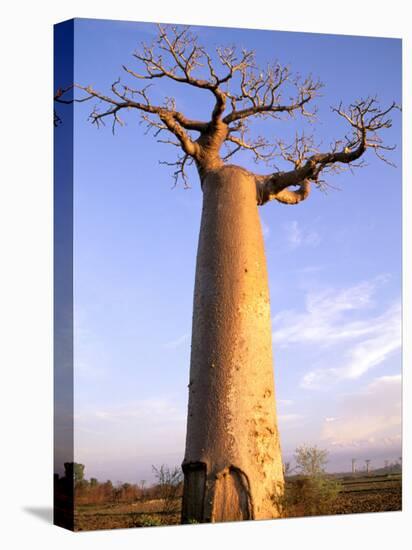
(89, 370)
(323, 319)
(370, 418)
(284, 402)
(150, 426)
(331, 318)
(375, 342)
(286, 418)
(297, 236)
(177, 342)
(123, 441)
(153, 409)
(265, 229)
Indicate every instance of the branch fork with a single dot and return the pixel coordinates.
(241, 92)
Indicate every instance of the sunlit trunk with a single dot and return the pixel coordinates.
(232, 464)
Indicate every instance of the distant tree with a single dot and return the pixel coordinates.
(117, 494)
(75, 471)
(127, 492)
(353, 465)
(78, 472)
(108, 491)
(93, 482)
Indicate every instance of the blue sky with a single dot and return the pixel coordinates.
(334, 266)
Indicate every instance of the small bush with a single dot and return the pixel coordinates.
(310, 496)
(312, 492)
(139, 520)
(169, 488)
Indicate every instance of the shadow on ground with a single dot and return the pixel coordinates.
(42, 512)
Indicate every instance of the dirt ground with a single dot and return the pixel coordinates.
(358, 496)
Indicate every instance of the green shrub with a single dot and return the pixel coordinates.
(310, 496)
(312, 492)
(143, 520)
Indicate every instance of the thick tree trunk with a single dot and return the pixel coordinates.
(232, 464)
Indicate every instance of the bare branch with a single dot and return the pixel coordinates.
(365, 118)
(240, 87)
(176, 55)
(173, 120)
(181, 163)
(260, 147)
(261, 94)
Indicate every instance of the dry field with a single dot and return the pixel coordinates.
(358, 495)
(147, 513)
(381, 493)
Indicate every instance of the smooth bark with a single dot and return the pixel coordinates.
(232, 464)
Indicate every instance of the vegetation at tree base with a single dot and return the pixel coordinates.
(311, 461)
(169, 486)
(310, 496)
(103, 505)
(310, 491)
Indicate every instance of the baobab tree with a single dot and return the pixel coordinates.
(354, 465)
(232, 464)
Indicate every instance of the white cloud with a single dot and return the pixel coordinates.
(299, 237)
(386, 338)
(310, 269)
(177, 342)
(323, 319)
(126, 436)
(332, 318)
(368, 419)
(153, 410)
(375, 340)
(265, 229)
(88, 370)
(284, 402)
(283, 418)
(294, 234)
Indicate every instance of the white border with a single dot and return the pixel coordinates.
(26, 269)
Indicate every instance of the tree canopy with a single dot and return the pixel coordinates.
(242, 91)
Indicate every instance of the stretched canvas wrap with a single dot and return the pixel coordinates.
(227, 201)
